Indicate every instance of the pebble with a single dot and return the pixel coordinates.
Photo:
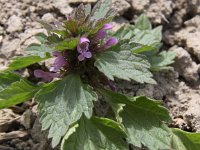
(14, 24)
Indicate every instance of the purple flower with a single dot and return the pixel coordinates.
(59, 62)
(101, 34)
(107, 26)
(83, 49)
(110, 42)
(45, 76)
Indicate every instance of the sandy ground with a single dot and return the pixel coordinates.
(179, 88)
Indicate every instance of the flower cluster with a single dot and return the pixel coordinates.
(86, 48)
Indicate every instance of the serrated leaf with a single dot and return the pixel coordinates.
(157, 32)
(145, 38)
(72, 26)
(22, 62)
(95, 134)
(6, 78)
(100, 10)
(54, 38)
(125, 32)
(79, 14)
(16, 93)
(162, 60)
(51, 26)
(39, 50)
(69, 44)
(185, 140)
(141, 49)
(99, 24)
(41, 37)
(62, 104)
(87, 9)
(129, 32)
(62, 33)
(46, 25)
(143, 23)
(142, 118)
(119, 62)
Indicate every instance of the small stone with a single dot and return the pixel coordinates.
(63, 6)
(1, 38)
(1, 30)
(82, 1)
(32, 8)
(36, 133)
(184, 65)
(121, 6)
(140, 5)
(189, 36)
(14, 24)
(48, 17)
(27, 119)
(9, 47)
(27, 1)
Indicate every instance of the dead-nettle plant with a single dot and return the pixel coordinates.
(86, 57)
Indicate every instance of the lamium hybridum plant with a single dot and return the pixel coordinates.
(84, 57)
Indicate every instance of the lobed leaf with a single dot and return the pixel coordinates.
(162, 60)
(87, 9)
(62, 103)
(22, 62)
(7, 78)
(125, 32)
(69, 44)
(143, 120)
(143, 23)
(119, 62)
(147, 37)
(183, 140)
(16, 93)
(41, 37)
(95, 134)
(100, 10)
(39, 50)
(53, 38)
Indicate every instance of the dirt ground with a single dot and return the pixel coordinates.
(179, 88)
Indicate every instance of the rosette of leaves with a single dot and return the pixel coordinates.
(85, 60)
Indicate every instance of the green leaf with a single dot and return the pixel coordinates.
(95, 134)
(62, 33)
(81, 12)
(142, 48)
(47, 26)
(143, 23)
(143, 120)
(6, 78)
(119, 62)
(161, 60)
(87, 9)
(22, 62)
(39, 50)
(145, 38)
(54, 38)
(16, 93)
(72, 26)
(62, 104)
(101, 10)
(99, 24)
(125, 32)
(41, 37)
(157, 32)
(67, 45)
(185, 140)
